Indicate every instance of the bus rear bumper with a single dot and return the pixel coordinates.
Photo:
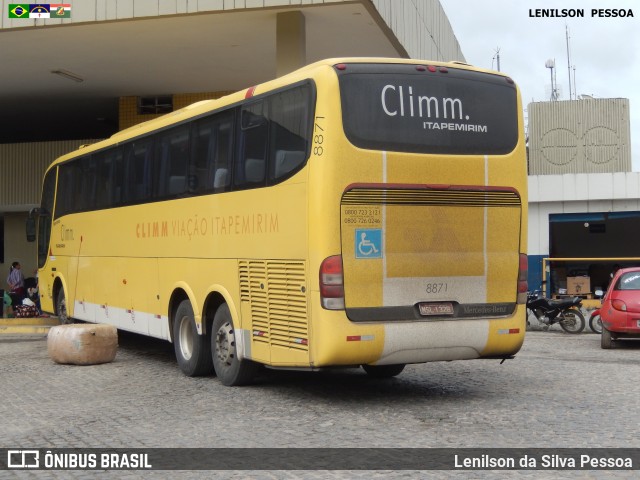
(421, 342)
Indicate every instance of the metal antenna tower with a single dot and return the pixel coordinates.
(496, 57)
(551, 65)
(568, 59)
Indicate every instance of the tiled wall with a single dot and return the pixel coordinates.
(128, 106)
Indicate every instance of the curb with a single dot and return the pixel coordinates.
(27, 326)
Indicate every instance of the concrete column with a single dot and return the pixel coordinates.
(291, 44)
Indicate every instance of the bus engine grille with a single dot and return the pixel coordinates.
(432, 196)
(275, 291)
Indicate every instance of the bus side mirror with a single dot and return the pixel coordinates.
(31, 224)
(31, 229)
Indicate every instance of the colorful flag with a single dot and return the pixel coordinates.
(39, 10)
(60, 10)
(18, 10)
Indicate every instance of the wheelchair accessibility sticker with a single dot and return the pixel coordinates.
(368, 243)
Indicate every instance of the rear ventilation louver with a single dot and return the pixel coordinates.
(431, 196)
(276, 292)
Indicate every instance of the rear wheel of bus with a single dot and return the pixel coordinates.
(383, 371)
(193, 351)
(61, 308)
(229, 368)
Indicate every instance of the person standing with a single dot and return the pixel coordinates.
(15, 280)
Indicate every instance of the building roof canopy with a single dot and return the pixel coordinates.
(163, 55)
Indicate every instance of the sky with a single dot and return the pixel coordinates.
(604, 51)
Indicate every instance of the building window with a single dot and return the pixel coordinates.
(155, 105)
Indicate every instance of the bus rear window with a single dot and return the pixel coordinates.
(401, 108)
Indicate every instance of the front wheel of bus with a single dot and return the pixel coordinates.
(229, 368)
(193, 351)
(383, 371)
(61, 308)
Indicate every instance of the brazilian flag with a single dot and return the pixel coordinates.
(18, 10)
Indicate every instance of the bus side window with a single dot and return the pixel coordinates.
(45, 216)
(138, 165)
(66, 189)
(104, 179)
(211, 152)
(86, 177)
(289, 135)
(202, 149)
(117, 176)
(76, 181)
(224, 152)
(252, 154)
(172, 162)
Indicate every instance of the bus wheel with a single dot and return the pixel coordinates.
(383, 371)
(61, 308)
(193, 351)
(230, 370)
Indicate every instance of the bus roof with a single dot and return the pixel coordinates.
(204, 106)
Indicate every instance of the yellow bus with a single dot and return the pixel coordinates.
(356, 212)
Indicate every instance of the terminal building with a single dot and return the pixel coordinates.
(584, 200)
(106, 65)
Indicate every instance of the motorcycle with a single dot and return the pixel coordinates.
(565, 312)
(595, 322)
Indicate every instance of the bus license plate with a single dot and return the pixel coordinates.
(435, 309)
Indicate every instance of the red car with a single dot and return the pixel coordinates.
(620, 311)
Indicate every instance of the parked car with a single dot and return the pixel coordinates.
(620, 311)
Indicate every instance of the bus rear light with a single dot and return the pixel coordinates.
(332, 283)
(421, 68)
(341, 66)
(331, 271)
(444, 70)
(431, 68)
(523, 273)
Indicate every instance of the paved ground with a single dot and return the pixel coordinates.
(561, 391)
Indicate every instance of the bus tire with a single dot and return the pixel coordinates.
(383, 371)
(229, 368)
(193, 351)
(61, 308)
